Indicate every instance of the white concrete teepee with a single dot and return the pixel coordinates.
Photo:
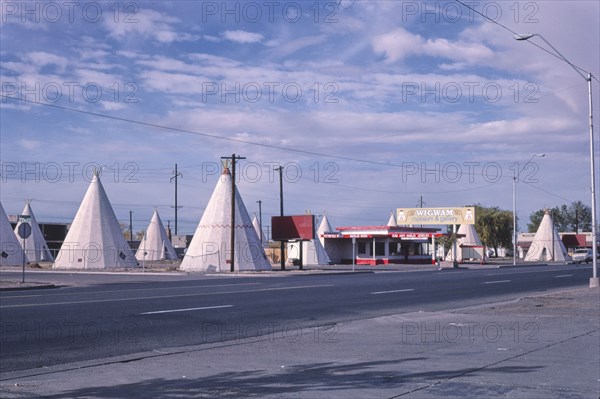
(256, 224)
(11, 253)
(210, 247)
(324, 227)
(95, 239)
(546, 244)
(392, 221)
(155, 245)
(36, 248)
(468, 247)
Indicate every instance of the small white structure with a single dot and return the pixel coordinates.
(469, 247)
(155, 245)
(11, 253)
(95, 239)
(547, 244)
(36, 248)
(313, 251)
(210, 247)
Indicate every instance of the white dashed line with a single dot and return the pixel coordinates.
(391, 292)
(187, 310)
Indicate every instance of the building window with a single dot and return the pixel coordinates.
(394, 248)
(380, 249)
(361, 248)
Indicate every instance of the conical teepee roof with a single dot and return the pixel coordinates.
(156, 245)
(36, 248)
(392, 221)
(256, 225)
(210, 247)
(546, 244)
(11, 253)
(95, 239)
(470, 239)
(324, 227)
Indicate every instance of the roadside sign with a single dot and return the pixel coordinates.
(24, 218)
(24, 230)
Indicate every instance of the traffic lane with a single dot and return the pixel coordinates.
(35, 336)
(114, 281)
(81, 282)
(112, 293)
(334, 300)
(83, 278)
(184, 295)
(124, 303)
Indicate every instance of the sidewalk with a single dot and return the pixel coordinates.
(537, 347)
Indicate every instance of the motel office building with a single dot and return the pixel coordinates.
(381, 245)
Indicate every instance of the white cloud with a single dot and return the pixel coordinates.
(173, 82)
(150, 24)
(29, 144)
(399, 44)
(284, 48)
(41, 58)
(242, 36)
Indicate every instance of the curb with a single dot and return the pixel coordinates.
(30, 287)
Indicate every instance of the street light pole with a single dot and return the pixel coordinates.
(281, 243)
(260, 221)
(594, 281)
(177, 174)
(516, 175)
(130, 229)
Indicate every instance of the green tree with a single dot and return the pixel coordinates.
(494, 227)
(576, 216)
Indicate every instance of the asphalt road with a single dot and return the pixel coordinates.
(52, 326)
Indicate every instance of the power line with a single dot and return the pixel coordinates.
(519, 34)
(212, 136)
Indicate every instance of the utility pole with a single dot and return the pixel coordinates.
(232, 243)
(260, 220)
(177, 174)
(130, 228)
(281, 243)
(420, 204)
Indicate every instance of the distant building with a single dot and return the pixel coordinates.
(375, 245)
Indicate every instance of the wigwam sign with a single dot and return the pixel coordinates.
(464, 215)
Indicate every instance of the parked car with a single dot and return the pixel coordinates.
(582, 255)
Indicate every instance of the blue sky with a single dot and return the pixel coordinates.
(368, 105)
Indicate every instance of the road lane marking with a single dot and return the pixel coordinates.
(502, 272)
(128, 290)
(564, 275)
(497, 282)
(186, 310)
(167, 296)
(390, 292)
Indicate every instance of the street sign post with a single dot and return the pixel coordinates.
(24, 231)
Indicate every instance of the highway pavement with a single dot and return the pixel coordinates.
(101, 315)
